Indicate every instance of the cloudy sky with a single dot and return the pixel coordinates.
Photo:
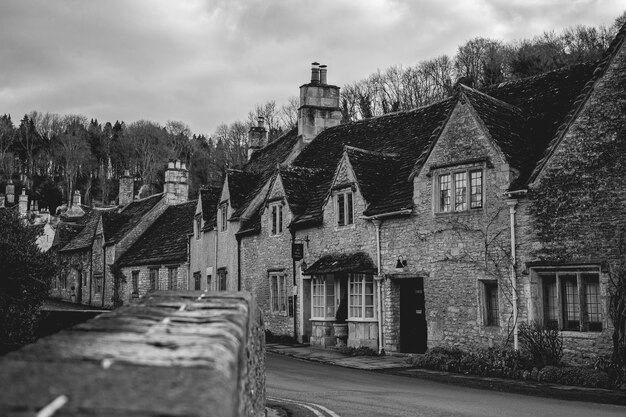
(206, 62)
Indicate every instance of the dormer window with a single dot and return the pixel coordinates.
(459, 191)
(344, 208)
(276, 220)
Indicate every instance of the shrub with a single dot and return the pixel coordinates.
(360, 351)
(279, 338)
(583, 377)
(544, 344)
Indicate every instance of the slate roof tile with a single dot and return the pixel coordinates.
(117, 224)
(209, 198)
(84, 238)
(165, 241)
(359, 262)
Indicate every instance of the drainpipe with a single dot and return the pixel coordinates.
(215, 276)
(512, 203)
(104, 273)
(238, 263)
(295, 297)
(379, 281)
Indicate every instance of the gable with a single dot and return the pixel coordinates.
(277, 190)
(463, 139)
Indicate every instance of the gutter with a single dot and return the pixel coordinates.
(403, 212)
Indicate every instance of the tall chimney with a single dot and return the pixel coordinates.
(319, 105)
(315, 73)
(23, 203)
(323, 71)
(2, 201)
(176, 187)
(10, 192)
(257, 137)
(126, 189)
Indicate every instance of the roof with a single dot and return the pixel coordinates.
(580, 100)
(117, 224)
(209, 200)
(83, 239)
(165, 240)
(358, 262)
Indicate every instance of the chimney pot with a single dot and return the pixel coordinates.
(315, 73)
(261, 121)
(323, 72)
(170, 164)
(177, 164)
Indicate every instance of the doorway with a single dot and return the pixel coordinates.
(413, 333)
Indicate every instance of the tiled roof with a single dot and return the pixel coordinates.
(249, 182)
(84, 238)
(405, 134)
(165, 240)
(545, 101)
(209, 198)
(580, 100)
(358, 262)
(117, 224)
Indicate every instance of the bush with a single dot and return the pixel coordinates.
(544, 344)
(360, 351)
(279, 338)
(583, 377)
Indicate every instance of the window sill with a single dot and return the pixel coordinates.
(278, 235)
(361, 320)
(459, 213)
(322, 319)
(346, 227)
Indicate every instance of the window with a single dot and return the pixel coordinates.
(221, 279)
(154, 278)
(224, 216)
(278, 293)
(323, 297)
(345, 209)
(571, 300)
(277, 219)
(198, 226)
(172, 277)
(360, 296)
(197, 281)
(454, 194)
(135, 281)
(491, 311)
(84, 275)
(98, 279)
(208, 282)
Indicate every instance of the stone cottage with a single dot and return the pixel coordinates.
(90, 245)
(449, 224)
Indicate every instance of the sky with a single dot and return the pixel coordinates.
(207, 62)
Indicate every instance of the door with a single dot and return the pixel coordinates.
(412, 316)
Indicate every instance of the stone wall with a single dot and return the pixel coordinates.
(227, 245)
(174, 353)
(126, 289)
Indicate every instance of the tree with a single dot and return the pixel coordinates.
(25, 276)
(7, 139)
(73, 154)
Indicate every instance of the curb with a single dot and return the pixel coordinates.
(563, 392)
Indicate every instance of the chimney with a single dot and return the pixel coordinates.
(34, 206)
(2, 201)
(23, 203)
(127, 184)
(10, 192)
(176, 187)
(319, 105)
(315, 73)
(323, 72)
(257, 137)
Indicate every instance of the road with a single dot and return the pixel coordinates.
(336, 391)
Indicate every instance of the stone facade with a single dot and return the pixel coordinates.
(202, 253)
(227, 245)
(128, 293)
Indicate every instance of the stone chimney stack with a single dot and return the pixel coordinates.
(257, 137)
(176, 186)
(2, 201)
(10, 192)
(23, 203)
(319, 105)
(127, 183)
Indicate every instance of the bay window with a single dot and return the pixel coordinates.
(323, 297)
(361, 296)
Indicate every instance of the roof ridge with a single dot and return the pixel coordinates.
(271, 144)
(496, 100)
(375, 153)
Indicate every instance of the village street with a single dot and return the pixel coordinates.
(337, 391)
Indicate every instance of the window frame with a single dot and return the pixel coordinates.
(361, 280)
(198, 225)
(467, 195)
(491, 312)
(222, 279)
(224, 216)
(557, 302)
(276, 219)
(153, 278)
(197, 281)
(323, 282)
(134, 276)
(172, 278)
(279, 304)
(344, 216)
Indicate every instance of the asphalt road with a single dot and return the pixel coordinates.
(335, 391)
